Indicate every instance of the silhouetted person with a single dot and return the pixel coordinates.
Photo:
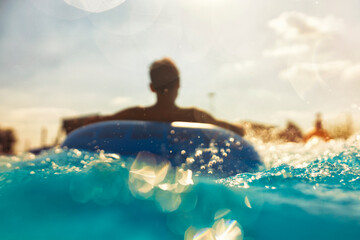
(318, 131)
(165, 83)
(292, 133)
(7, 141)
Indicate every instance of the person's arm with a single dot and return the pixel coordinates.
(71, 124)
(237, 129)
(201, 116)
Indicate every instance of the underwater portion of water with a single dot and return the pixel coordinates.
(307, 191)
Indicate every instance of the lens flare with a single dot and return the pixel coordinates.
(150, 174)
(130, 18)
(221, 230)
(58, 9)
(94, 6)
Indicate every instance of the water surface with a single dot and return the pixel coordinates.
(306, 191)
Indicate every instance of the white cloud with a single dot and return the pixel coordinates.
(299, 26)
(315, 73)
(308, 70)
(298, 33)
(305, 77)
(291, 50)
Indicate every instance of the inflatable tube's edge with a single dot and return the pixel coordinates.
(203, 148)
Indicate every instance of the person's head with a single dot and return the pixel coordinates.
(164, 77)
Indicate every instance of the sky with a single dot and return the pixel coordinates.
(266, 61)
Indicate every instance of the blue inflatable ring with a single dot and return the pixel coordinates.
(203, 148)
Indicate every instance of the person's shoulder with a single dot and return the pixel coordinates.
(196, 110)
(134, 109)
(203, 112)
(201, 115)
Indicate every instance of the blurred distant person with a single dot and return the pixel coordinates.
(7, 141)
(318, 131)
(292, 133)
(165, 83)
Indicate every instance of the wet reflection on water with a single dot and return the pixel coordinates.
(151, 176)
(221, 230)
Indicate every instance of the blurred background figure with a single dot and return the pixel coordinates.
(7, 141)
(292, 133)
(318, 131)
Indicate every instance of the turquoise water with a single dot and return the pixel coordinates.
(307, 191)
